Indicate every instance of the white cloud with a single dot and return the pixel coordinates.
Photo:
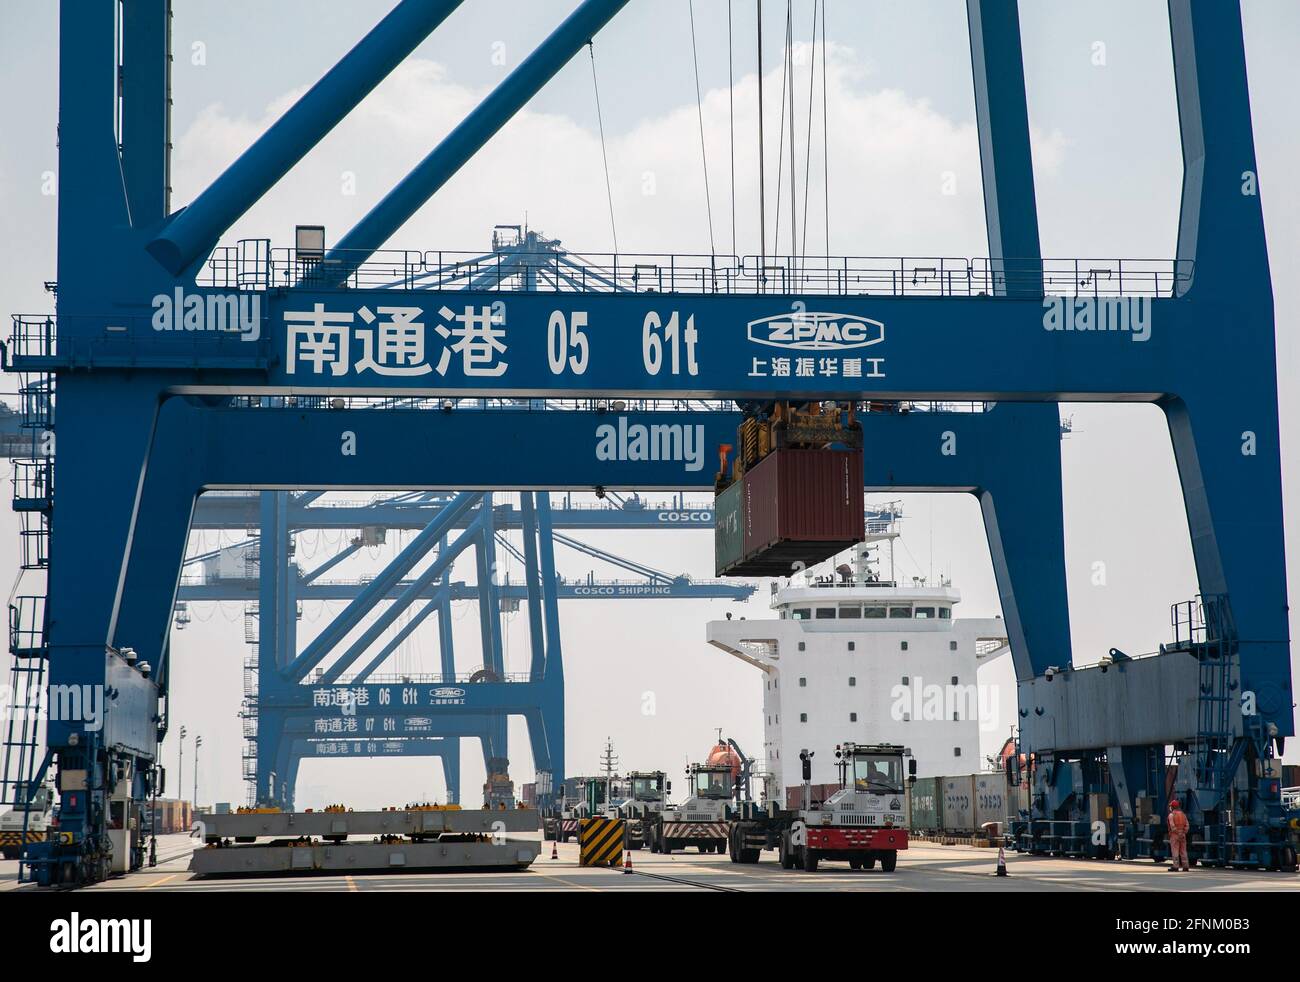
(889, 157)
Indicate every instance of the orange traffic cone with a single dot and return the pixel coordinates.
(555, 849)
(627, 862)
(1002, 861)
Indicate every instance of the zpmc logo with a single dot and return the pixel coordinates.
(809, 331)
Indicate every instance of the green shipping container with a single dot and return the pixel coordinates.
(927, 805)
(729, 528)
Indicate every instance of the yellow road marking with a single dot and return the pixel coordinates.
(165, 879)
(352, 885)
(574, 883)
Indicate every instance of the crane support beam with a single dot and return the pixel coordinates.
(193, 231)
(243, 447)
(343, 555)
(146, 116)
(336, 630)
(589, 587)
(469, 137)
(406, 630)
(408, 595)
(1006, 158)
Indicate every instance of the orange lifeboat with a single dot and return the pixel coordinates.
(722, 754)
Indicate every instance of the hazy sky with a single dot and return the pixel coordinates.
(901, 134)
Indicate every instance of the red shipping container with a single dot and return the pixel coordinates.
(801, 508)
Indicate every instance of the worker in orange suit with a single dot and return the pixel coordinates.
(1178, 827)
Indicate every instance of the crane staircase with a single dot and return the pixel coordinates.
(248, 712)
(33, 500)
(1204, 627)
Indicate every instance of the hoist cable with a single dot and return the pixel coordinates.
(704, 151)
(731, 98)
(762, 163)
(807, 166)
(826, 140)
(780, 148)
(604, 153)
(794, 184)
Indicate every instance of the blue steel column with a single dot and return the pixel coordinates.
(273, 650)
(536, 638)
(146, 108)
(546, 726)
(1226, 440)
(91, 198)
(468, 138)
(490, 622)
(195, 230)
(446, 641)
(1010, 458)
(1006, 158)
(105, 423)
(150, 567)
(451, 769)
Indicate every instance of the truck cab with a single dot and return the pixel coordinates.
(21, 825)
(702, 819)
(865, 821)
(646, 797)
(590, 801)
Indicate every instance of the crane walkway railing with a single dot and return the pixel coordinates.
(242, 267)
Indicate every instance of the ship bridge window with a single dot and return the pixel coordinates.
(945, 613)
(925, 612)
(873, 611)
(826, 613)
(801, 614)
(851, 611)
(897, 613)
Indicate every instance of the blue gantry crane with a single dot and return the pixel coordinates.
(179, 367)
(235, 573)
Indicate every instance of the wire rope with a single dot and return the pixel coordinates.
(704, 149)
(604, 152)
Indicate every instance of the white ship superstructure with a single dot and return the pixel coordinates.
(851, 656)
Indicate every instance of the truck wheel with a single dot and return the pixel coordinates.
(750, 855)
(783, 852)
(855, 864)
(722, 847)
(733, 848)
(869, 862)
(809, 859)
(888, 861)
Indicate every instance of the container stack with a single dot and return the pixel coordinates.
(961, 805)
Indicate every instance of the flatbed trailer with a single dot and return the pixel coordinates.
(342, 841)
